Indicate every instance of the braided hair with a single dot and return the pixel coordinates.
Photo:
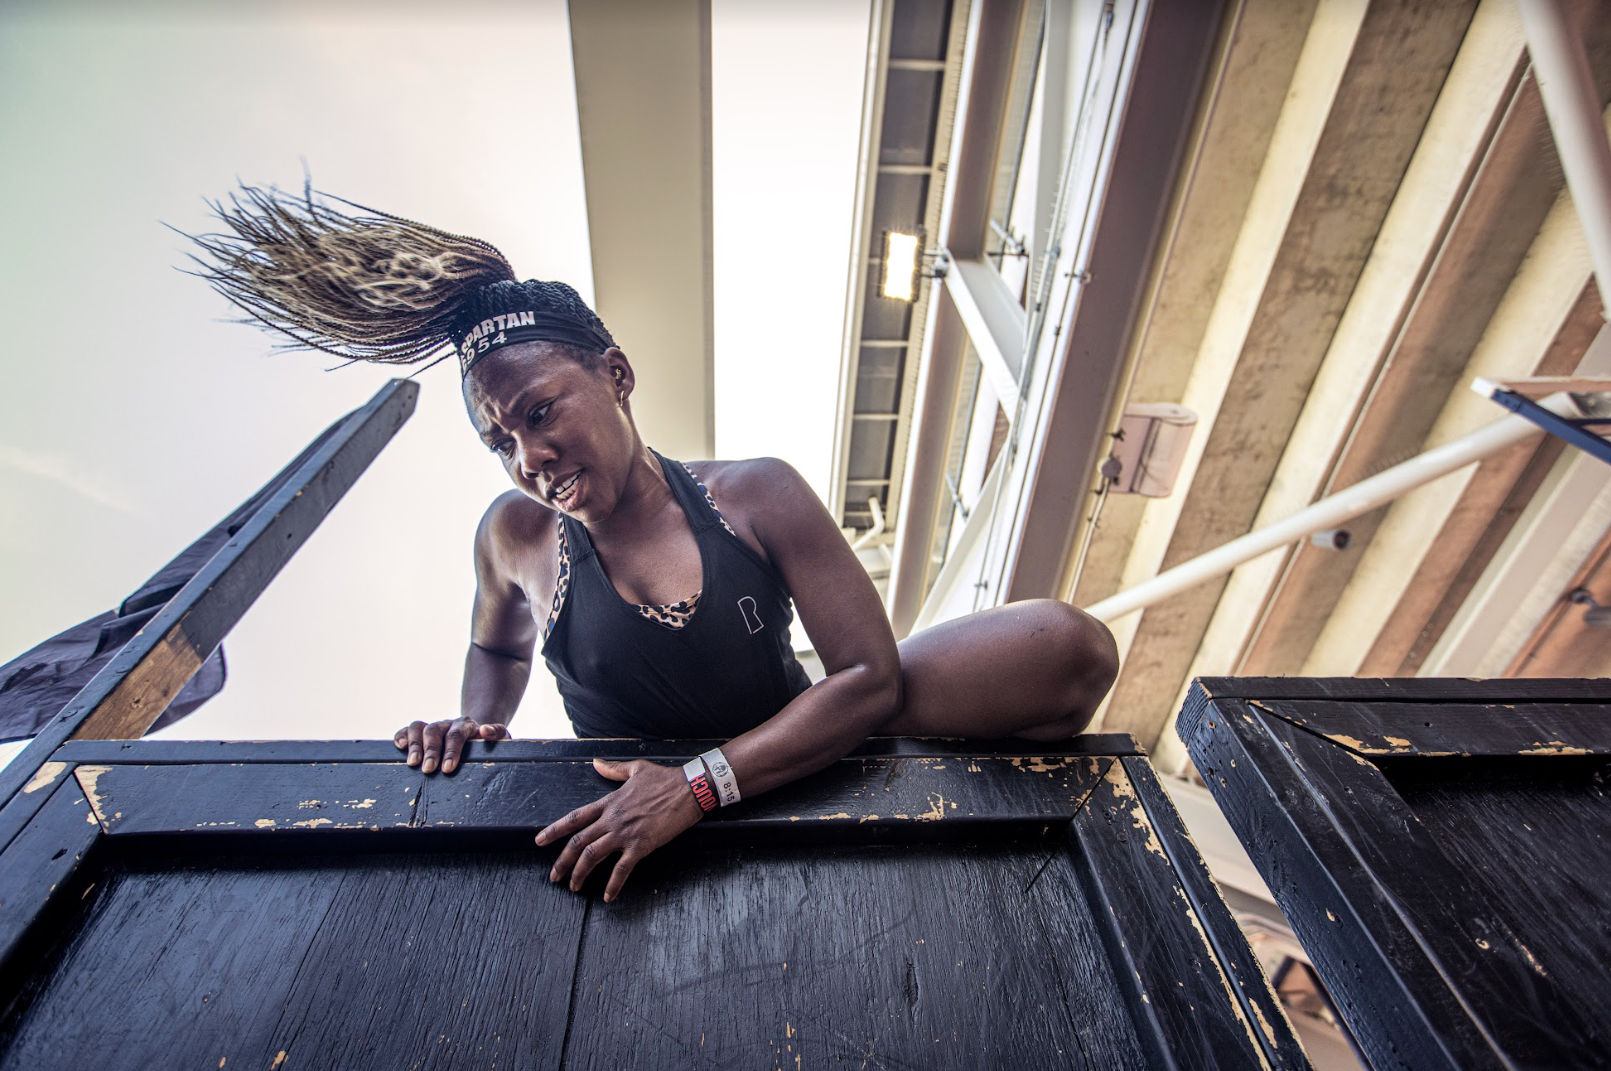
(366, 285)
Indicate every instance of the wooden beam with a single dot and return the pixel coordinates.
(1363, 91)
(1243, 100)
(1470, 534)
(1461, 128)
(1542, 386)
(129, 693)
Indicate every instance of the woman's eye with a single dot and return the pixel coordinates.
(503, 448)
(539, 414)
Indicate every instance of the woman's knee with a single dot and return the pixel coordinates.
(1087, 653)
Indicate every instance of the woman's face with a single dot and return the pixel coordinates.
(561, 429)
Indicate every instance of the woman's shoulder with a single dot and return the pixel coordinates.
(513, 531)
(764, 499)
(750, 478)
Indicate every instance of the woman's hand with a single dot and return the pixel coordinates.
(652, 806)
(443, 740)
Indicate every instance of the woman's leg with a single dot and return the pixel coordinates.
(1035, 669)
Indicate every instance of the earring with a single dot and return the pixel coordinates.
(620, 400)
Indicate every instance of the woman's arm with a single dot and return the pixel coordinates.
(497, 666)
(840, 611)
(774, 509)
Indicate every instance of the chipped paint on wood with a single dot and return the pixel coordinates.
(265, 823)
(89, 779)
(45, 775)
(1554, 747)
(1397, 741)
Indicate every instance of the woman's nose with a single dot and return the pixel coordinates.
(534, 454)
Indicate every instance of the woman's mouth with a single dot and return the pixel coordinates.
(561, 493)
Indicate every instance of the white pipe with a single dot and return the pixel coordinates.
(1573, 106)
(1345, 505)
(875, 531)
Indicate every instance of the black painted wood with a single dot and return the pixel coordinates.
(854, 798)
(43, 865)
(187, 752)
(383, 962)
(1433, 730)
(1450, 932)
(185, 631)
(1407, 689)
(22, 807)
(1272, 1030)
(1502, 830)
(985, 955)
(260, 913)
(1156, 939)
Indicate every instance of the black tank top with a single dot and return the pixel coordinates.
(724, 672)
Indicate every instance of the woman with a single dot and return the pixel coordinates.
(658, 593)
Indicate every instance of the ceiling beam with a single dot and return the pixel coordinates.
(1285, 177)
(1522, 333)
(643, 102)
(1261, 43)
(1394, 314)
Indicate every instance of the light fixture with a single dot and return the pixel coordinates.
(900, 264)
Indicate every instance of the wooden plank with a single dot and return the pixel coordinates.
(251, 798)
(384, 962)
(855, 798)
(1157, 941)
(1253, 994)
(1448, 729)
(1543, 386)
(1400, 1009)
(191, 752)
(1519, 1007)
(16, 814)
(1533, 839)
(1380, 907)
(468, 960)
(1404, 689)
(39, 866)
(851, 800)
(906, 956)
(132, 690)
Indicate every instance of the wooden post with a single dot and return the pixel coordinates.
(132, 690)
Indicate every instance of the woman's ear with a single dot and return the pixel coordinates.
(619, 369)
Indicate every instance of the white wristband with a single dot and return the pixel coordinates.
(721, 774)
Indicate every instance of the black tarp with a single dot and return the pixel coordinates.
(37, 684)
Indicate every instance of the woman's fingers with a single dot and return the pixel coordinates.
(443, 742)
(652, 807)
(590, 855)
(453, 742)
(408, 739)
(618, 876)
(577, 819)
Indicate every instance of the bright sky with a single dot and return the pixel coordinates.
(132, 417)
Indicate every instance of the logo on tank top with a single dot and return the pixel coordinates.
(752, 620)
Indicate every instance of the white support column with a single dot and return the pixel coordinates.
(1573, 105)
(643, 105)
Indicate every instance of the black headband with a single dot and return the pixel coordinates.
(506, 329)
